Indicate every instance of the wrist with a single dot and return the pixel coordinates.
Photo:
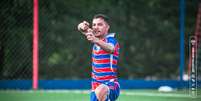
(96, 40)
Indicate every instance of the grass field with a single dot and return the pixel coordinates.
(83, 95)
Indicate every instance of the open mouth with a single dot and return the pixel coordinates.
(96, 32)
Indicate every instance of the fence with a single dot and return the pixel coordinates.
(149, 40)
(16, 40)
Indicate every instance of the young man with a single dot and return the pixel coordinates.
(105, 86)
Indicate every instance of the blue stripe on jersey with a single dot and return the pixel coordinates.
(103, 65)
(107, 56)
(99, 81)
(105, 73)
(112, 40)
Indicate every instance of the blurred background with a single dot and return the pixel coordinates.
(147, 30)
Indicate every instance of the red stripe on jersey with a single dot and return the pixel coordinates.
(104, 69)
(117, 46)
(103, 61)
(116, 51)
(101, 51)
(95, 85)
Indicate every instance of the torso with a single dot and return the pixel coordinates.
(104, 65)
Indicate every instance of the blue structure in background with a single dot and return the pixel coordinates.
(85, 84)
(182, 34)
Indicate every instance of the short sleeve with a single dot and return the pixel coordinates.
(112, 41)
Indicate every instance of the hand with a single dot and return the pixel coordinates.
(90, 37)
(83, 27)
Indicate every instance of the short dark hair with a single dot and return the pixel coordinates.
(103, 16)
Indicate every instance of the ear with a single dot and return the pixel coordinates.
(108, 27)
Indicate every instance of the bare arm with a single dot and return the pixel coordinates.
(105, 46)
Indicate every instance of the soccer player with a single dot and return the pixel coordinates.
(105, 53)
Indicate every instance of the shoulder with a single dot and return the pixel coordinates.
(111, 37)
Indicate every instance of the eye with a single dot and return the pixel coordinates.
(94, 25)
(100, 24)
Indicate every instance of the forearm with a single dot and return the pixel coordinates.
(105, 46)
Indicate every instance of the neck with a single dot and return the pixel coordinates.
(103, 36)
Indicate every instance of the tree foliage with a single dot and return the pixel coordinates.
(147, 30)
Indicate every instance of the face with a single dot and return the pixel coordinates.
(100, 27)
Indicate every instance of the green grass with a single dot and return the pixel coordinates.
(77, 95)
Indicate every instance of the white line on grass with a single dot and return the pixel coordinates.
(133, 93)
(155, 94)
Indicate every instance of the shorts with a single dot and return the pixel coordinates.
(112, 95)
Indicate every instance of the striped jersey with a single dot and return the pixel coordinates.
(104, 64)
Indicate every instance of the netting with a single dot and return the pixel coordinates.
(63, 52)
(147, 52)
(198, 36)
(16, 39)
(148, 36)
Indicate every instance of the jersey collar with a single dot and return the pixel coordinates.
(110, 35)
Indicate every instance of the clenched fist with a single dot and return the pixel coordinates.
(84, 27)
